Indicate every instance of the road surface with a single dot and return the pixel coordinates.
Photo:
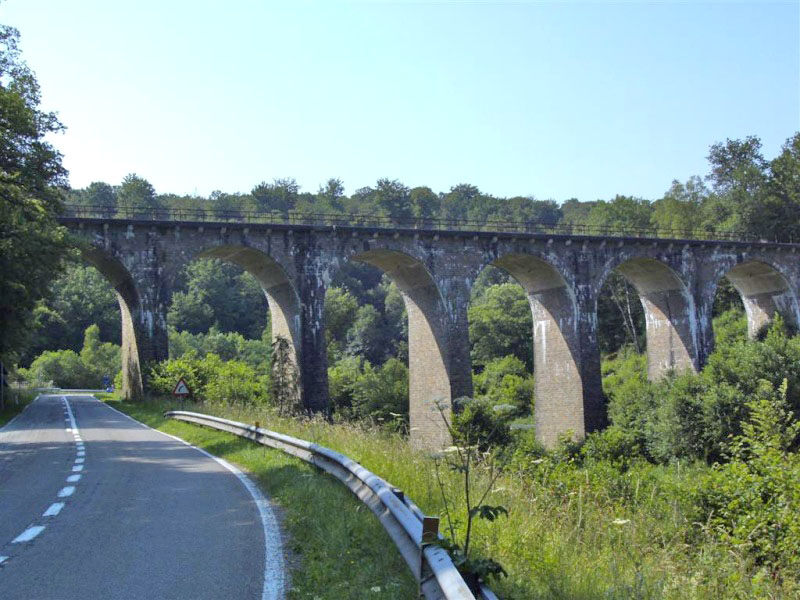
(96, 505)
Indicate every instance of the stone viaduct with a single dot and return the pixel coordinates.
(435, 270)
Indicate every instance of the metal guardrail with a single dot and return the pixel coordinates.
(297, 218)
(430, 564)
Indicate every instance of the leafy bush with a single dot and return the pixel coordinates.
(506, 381)
(194, 371)
(228, 346)
(342, 378)
(477, 423)
(210, 379)
(696, 415)
(381, 394)
(235, 383)
(62, 368)
(613, 445)
(753, 501)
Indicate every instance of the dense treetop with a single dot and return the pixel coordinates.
(742, 193)
(31, 181)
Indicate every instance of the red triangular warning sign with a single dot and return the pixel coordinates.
(181, 389)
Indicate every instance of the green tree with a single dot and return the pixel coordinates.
(136, 192)
(506, 381)
(96, 194)
(99, 358)
(381, 394)
(280, 195)
(340, 312)
(368, 335)
(457, 203)
(679, 212)
(501, 324)
(738, 179)
(621, 213)
(751, 502)
(392, 198)
(575, 212)
(66, 368)
(424, 203)
(79, 297)
(783, 191)
(32, 179)
(219, 294)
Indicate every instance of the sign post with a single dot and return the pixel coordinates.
(181, 391)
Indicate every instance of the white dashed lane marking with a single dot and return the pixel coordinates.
(28, 534)
(77, 468)
(73, 478)
(66, 491)
(54, 509)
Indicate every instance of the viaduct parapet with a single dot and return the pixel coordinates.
(435, 271)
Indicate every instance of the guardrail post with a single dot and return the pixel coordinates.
(430, 534)
(399, 493)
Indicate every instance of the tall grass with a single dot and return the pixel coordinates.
(573, 532)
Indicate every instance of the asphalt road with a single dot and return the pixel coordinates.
(96, 505)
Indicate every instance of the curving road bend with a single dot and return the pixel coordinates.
(95, 505)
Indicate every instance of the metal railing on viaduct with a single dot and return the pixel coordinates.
(298, 218)
(435, 264)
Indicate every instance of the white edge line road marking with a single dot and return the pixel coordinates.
(28, 534)
(273, 545)
(73, 478)
(66, 491)
(54, 509)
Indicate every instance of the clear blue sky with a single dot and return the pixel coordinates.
(555, 100)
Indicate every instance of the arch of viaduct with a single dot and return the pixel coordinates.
(435, 270)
